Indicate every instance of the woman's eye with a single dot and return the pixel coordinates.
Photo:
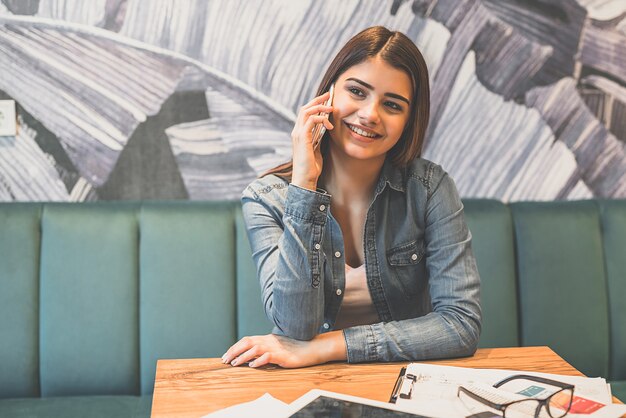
(393, 105)
(356, 91)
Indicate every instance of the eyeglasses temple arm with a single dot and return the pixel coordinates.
(536, 379)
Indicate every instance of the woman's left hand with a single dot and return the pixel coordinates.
(286, 352)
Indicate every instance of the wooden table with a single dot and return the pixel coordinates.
(195, 387)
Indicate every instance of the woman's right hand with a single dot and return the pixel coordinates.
(286, 352)
(307, 162)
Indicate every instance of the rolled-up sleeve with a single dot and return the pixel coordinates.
(288, 256)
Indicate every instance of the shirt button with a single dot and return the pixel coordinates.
(322, 207)
(414, 257)
(337, 254)
(338, 292)
(326, 326)
(317, 246)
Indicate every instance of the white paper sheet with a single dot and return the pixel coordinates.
(264, 407)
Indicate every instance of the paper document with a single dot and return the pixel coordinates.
(264, 407)
(435, 392)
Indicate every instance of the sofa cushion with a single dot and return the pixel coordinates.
(77, 406)
(618, 388)
(492, 242)
(614, 235)
(562, 281)
(187, 282)
(89, 310)
(19, 299)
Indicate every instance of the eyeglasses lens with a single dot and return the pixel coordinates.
(476, 407)
(560, 403)
(557, 406)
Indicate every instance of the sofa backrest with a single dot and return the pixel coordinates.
(20, 243)
(91, 295)
(555, 272)
(613, 215)
(493, 243)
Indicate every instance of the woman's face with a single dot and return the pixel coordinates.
(371, 108)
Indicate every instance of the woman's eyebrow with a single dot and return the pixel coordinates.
(369, 86)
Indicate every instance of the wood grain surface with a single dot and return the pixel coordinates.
(195, 387)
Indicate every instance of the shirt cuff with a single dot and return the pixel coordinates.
(307, 205)
(361, 344)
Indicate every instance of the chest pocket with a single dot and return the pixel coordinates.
(408, 269)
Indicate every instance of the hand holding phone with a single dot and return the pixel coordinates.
(308, 131)
(320, 129)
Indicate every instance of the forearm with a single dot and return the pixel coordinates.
(287, 251)
(432, 336)
(330, 346)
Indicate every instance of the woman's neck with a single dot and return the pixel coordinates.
(349, 179)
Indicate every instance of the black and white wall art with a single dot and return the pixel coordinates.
(192, 99)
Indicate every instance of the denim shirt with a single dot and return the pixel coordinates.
(421, 272)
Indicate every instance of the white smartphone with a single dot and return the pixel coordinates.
(320, 129)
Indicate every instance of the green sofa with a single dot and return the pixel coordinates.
(91, 295)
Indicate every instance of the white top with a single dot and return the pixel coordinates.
(357, 307)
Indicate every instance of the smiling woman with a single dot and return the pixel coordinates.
(361, 246)
(371, 103)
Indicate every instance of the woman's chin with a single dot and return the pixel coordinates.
(361, 148)
(361, 151)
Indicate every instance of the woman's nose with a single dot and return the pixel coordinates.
(368, 113)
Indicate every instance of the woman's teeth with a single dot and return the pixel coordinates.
(362, 132)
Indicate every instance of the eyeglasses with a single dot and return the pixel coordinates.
(523, 396)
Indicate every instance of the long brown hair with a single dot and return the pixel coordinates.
(397, 50)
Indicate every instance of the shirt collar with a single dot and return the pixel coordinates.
(392, 176)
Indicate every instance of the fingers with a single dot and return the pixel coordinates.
(261, 361)
(236, 349)
(314, 107)
(248, 349)
(317, 100)
(328, 124)
(312, 128)
(247, 356)
(320, 108)
(313, 120)
(312, 115)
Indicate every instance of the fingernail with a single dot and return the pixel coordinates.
(234, 362)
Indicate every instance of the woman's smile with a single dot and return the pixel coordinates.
(362, 133)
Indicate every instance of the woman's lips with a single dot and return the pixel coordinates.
(360, 137)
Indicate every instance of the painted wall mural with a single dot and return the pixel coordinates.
(192, 99)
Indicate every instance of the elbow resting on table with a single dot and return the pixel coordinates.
(463, 331)
(469, 335)
(296, 313)
(469, 348)
(296, 327)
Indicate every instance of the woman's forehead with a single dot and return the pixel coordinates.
(381, 76)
